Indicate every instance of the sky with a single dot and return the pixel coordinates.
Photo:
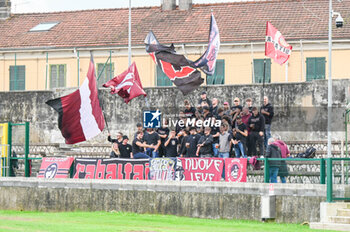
(32, 6)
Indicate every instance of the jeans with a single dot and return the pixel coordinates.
(215, 150)
(151, 153)
(224, 154)
(141, 155)
(267, 134)
(273, 174)
(283, 179)
(239, 150)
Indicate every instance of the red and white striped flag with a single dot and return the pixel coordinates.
(80, 116)
(276, 46)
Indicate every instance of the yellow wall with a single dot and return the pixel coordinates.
(238, 67)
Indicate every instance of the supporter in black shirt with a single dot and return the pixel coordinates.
(214, 107)
(204, 99)
(190, 111)
(115, 142)
(171, 145)
(235, 110)
(249, 103)
(153, 141)
(205, 144)
(163, 134)
(192, 142)
(240, 133)
(125, 149)
(138, 147)
(139, 128)
(257, 127)
(215, 132)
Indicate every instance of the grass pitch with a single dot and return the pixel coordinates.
(117, 221)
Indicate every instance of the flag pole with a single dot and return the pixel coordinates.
(263, 88)
(129, 44)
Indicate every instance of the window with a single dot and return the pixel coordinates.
(44, 26)
(218, 78)
(18, 77)
(259, 70)
(105, 75)
(315, 68)
(57, 75)
(162, 79)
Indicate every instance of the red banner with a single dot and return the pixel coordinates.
(94, 168)
(276, 46)
(199, 169)
(236, 170)
(53, 167)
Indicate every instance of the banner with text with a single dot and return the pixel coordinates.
(236, 170)
(199, 169)
(162, 169)
(54, 167)
(129, 169)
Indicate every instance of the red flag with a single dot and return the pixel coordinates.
(80, 115)
(127, 85)
(275, 45)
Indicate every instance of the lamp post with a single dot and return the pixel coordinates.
(329, 106)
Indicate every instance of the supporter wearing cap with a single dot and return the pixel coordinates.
(235, 110)
(125, 149)
(204, 98)
(239, 141)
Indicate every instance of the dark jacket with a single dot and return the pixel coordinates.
(207, 148)
(268, 108)
(273, 151)
(258, 121)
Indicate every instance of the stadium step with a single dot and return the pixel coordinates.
(330, 226)
(340, 219)
(343, 212)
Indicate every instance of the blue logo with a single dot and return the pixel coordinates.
(152, 119)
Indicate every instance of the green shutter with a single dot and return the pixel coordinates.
(57, 75)
(315, 68)
(17, 77)
(218, 78)
(162, 79)
(320, 68)
(259, 70)
(106, 75)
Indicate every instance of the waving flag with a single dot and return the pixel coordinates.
(177, 68)
(127, 85)
(208, 60)
(80, 116)
(276, 46)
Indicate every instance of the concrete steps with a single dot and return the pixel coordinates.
(334, 216)
(330, 226)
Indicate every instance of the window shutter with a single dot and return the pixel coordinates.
(17, 77)
(310, 69)
(320, 67)
(162, 79)
(219, 73)
(53, 76)
(61, 75)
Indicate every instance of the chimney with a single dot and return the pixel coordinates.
(5, 9)
(185, 4)
(167, 4)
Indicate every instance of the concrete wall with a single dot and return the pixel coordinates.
(295, 203)
(300, 109)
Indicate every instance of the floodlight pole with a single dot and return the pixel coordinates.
(329, 139)
(129, 44)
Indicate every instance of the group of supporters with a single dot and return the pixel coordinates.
(209, 130)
